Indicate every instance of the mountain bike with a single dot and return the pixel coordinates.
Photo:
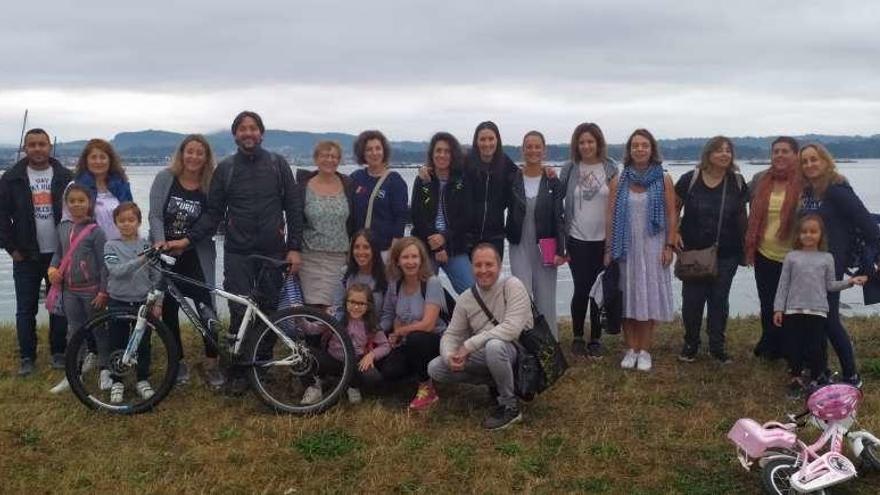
(276, 352)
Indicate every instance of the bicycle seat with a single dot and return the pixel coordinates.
(274, 262)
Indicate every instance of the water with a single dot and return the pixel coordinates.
(743, 297)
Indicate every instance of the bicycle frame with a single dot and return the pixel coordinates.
(251, 311)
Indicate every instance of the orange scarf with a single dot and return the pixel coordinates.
(761, 203)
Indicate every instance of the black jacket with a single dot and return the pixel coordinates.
(549, 219)
(258, 197)
(18, 230)
(490, 186)
(456, 205)
(304, 176)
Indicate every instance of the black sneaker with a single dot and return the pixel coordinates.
(594, 350)
(722, 357)
(57, 361)
(26, 367)
(578, 348)
(855, 381)
(502, 417)
(795, 389)
(688, 355)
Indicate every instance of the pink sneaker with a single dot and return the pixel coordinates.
(425, 396)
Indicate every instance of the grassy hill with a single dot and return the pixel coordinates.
(601, 430)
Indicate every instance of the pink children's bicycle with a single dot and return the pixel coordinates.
(788, 465)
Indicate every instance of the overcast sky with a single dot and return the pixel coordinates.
(410, 68)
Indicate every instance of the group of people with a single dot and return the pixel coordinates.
(343, 236)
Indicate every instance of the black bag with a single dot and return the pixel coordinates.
(540, 361)
(612, 305)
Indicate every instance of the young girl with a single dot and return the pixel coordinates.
(364, 266)
(78, 269)
(370, 345)
(128, 284)
(801, 303)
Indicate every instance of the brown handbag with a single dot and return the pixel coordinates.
(701, 264)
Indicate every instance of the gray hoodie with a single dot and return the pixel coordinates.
(131, 278)
(806, 279)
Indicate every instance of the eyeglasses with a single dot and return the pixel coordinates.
(357, 304)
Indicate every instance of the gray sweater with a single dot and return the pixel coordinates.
(205, 249)
(807, 277)
(508, 301)
(131, 278)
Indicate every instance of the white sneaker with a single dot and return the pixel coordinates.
(62, 386)
(105, 381)
(312, 395)
(644, 363)
(354, 395)
(117, 391)
(144, 389)
(629, 360)
(89, 362)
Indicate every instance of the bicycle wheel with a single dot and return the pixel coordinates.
(280, 371)
(776, 476)
(94, 357)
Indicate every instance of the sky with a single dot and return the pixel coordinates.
(411, 68)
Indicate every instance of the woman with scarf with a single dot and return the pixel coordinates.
(642, 226)
(100, 170)
(828, 194)
(774, 203)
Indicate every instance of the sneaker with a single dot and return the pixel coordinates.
(795, 389)
(722, 357)
(594, 350)
(644, 361)
(57, 361)
(117, 391)
(214, 377)
(89, 362)
(855, 381)
(425, 397)
(312, 395)
(502, 417)
(688, 354)
(578, 347)
(144, 389)
(26, 367)
(354, 395)
(182, 373)
(62, 386)
(105, 381)
(629, 359)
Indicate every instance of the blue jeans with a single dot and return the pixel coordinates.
(458, 269)
(28, 276)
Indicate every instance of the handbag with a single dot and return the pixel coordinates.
(701, 264)
(540, 361)
(547, 247)
(54, 303)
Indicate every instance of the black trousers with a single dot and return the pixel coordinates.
(805, 344)
(241, 277)
(187, 265)
(412, 357)
(767, 273)
(714, 296)
(121, 331)
(586, 260)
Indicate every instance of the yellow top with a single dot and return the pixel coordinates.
(769, 246)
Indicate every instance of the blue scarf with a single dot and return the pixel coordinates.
(652, 180)
(119, 188)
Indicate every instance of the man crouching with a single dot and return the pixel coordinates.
(479, 348)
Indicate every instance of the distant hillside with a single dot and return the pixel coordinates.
(156, 146)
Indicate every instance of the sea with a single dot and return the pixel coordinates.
(862, 174)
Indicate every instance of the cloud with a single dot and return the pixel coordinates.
(412, 67)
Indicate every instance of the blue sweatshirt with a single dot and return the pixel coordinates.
(390, 210)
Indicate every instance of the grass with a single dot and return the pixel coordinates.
(600, 430)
